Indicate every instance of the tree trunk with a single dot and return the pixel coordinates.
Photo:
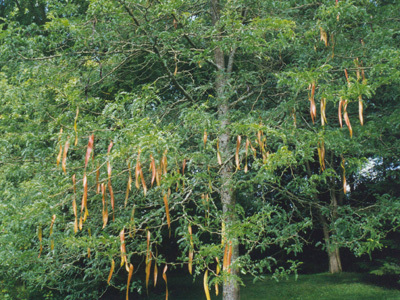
(335, 264)
(230, 286)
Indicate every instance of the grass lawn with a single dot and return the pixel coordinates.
(346, 286)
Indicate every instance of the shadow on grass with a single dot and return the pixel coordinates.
(345, 286)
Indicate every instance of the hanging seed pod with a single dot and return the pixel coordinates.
(218, 154)
(111, 271)
(53, 219)
(129, 280)
(165, 279)
(74, 206)
(191, 252)
(341, 102)
(110, 189)
(239, 138)
(321, 154)
(89, 149)
(218, 270)
(61, 149)
(64, 159)
(323, 113)
(324, 36)
(105, 210)
(344, 176)
(165, 198)
(246, 151)
(155, 272)
(153, 169)
(346, 117)
(205, 285)
(84, 200)
(148, 270)
(148, 262)
(313, 107)
(123, 248)
(40, 237)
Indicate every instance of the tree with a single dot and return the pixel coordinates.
(204, 93)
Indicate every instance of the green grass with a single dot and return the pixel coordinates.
(346, 286)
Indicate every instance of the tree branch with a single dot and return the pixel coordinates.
(172, 76)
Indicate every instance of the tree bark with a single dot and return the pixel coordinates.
(335, 264)
(230, 286)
